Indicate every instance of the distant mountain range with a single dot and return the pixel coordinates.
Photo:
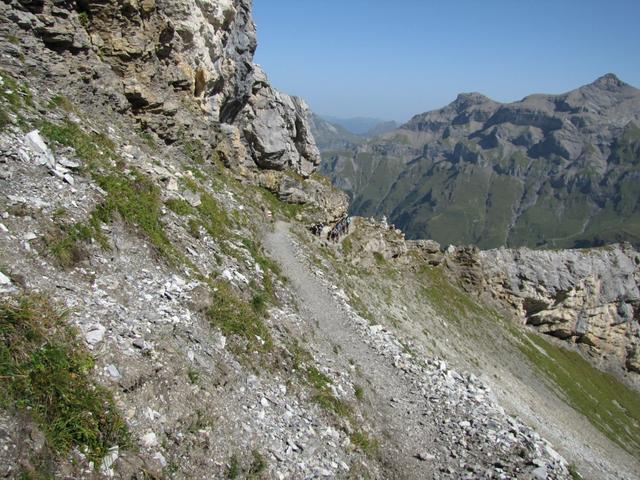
(346, 133)
(363, 126)
(547, 171)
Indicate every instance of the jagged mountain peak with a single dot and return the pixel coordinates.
(473, 98)
(609, 81)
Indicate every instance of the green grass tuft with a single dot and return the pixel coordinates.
(65, 242)
(233, 470)
(214, 219)
(447, 299)
(14, 97)
(46, 372)
(608, 404)
(258, 465)
(358, 391)
(62, 102)
(94, 148)
(237, 318)
(323, 395)
(179, 206)
(137, 200)
(364, 442)
(277, 206)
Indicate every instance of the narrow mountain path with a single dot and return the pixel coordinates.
(391, 401)
(429, 421)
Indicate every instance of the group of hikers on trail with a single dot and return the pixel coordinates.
(340, 228)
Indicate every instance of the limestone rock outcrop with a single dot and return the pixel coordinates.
(183, 68)
(590, 297)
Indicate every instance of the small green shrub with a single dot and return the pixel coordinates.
(46, 372)
(259, 303)
(379, 258)
(148, 139)
(194, 226)
(573, 471)
(5, 119)
(347, 246)
(193, 375)
(84, 19)
(233, 470)
(193, 148)
(11, 38)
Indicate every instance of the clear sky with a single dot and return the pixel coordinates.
(392, 59)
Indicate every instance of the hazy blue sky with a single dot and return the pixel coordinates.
(393, 59)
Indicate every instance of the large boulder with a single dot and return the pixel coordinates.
(277, 131)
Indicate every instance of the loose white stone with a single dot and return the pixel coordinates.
(108, 461)
(172, 185)
(158, 457)
(149, 440)
(34, 141)
(95, 334)
(113, 372)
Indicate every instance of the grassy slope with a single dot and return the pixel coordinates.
(609, 405)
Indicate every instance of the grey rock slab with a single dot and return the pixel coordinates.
(95, 334)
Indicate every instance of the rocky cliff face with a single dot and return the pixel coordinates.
(547, 171)
(590, 297)
(183, 69)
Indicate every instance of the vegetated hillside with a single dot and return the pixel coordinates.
(166, 313)
(556, 171)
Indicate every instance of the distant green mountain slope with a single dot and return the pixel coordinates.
(547, 171)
